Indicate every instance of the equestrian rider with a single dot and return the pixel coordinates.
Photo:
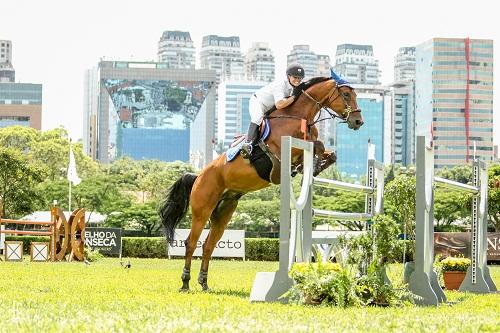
(280, 93)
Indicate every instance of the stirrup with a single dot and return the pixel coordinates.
(246, 150)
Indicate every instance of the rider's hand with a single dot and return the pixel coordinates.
(297, 91)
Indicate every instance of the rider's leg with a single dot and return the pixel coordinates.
(252, 138)
(256, 112)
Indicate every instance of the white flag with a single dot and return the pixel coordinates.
(72, 176)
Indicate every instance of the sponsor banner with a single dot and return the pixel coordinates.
(231, 244)
(458, 243)
(105, 240)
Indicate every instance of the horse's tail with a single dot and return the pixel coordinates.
(175, 206)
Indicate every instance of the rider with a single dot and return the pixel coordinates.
(280, 93)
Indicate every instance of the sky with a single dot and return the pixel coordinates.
(55, 41)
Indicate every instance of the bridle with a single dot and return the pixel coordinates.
(323, 105)
(329, 100)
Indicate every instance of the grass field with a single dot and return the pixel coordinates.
(104, 297)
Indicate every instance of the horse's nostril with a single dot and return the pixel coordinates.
(359, 122)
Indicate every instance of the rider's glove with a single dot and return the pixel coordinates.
(297, 90)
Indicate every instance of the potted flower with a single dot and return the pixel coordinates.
(454, 270)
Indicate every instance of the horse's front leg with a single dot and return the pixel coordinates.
(328, 158)
(322, 158)
(319, 151)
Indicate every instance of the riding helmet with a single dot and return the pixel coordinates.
(295, 70)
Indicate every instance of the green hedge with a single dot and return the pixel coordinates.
(262, 249)
(144, 247)
(259, 249)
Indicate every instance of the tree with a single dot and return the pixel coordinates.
(494, 197)
(127, 171)
(53, 156)
(264, 215)
(18, 137)
(158, 176)
(400, 193)
(449, 206)
(459, 173)
(341, 201)
(18, 179)
(102, 194)
(142, 217)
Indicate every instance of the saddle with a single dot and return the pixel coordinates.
(265, 163)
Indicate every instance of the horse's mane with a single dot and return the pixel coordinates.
(311, 82)
(303, 87)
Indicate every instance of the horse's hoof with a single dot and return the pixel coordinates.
(204, 287)
(184, 290)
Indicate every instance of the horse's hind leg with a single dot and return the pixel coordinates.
(196, 229)
(218, 222)
(201, 211)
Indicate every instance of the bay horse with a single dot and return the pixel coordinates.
(214, 193)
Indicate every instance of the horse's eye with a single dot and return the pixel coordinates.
(346, 95)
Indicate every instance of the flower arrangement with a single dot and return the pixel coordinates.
(321, 283)
(330, 284)
(300, 272)
(454, 264)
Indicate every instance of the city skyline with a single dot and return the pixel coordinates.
(54, 43)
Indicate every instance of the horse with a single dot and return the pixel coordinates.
(213, 194)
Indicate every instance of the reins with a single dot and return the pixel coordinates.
(320, 107)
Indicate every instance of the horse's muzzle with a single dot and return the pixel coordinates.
(355, 123)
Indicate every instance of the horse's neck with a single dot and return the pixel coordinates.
(307, 108)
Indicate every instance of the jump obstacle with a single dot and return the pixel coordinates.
(296, 216)
(296, 223)
(66, 237)
(423, 281)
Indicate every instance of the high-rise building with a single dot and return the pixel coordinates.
(357, 64)
(454, 98)
(233, 114)
(7, 72)
(223, 55)
(352, 146)
(176, 49)
(21, 104)
(301, 54)
(148, 111)
(404, 64)
(259, 63)
(403, 101)
(324, 65)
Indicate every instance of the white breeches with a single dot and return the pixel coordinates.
(256, 109)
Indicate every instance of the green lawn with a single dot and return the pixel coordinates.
(104, 297)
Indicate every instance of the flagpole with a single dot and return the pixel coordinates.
(69, 181)
(72, 175)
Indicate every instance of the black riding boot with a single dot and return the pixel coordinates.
(252, 138)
